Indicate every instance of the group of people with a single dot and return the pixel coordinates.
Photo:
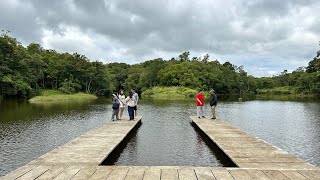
(200, 103)
(120, 101)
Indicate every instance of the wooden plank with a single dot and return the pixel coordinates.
(85, 173)
(293, 175)
(247, 151)
(222, 174)
(102, 172)
(169, 174)
(240, 174)
(187, 174)
(118, 173)
(52, 172)
(68, 173)
(90, 148)
(257, 174)
(204, 173)
(34, 173)
(273, 174)
(152, 173)
(310, 174)
(136, 173)
(18, 172)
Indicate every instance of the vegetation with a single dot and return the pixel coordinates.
(25, 71)
(278, 90)
(169, 92)
(57, 95)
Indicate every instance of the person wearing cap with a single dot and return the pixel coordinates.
(200, 104)
(213, 103)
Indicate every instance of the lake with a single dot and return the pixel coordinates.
(165, 137)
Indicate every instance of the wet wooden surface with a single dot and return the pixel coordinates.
(90, 148)
(247, 151)
(157, 173)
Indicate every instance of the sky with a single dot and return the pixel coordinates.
(265, 36)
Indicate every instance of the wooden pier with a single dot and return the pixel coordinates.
(81, 157)
(247, 151)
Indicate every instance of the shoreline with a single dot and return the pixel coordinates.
(62, 97)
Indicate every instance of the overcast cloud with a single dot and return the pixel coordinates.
(266, 36)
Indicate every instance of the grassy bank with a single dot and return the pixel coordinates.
(50, 95)
(286, 90)
(170, 92)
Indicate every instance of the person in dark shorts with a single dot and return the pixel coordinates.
(213, 103)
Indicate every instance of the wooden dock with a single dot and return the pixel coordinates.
(81, 157)
(247, 151)
(155, 173)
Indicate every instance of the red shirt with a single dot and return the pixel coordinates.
(200, 96)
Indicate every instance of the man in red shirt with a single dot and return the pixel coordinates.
(200, 104)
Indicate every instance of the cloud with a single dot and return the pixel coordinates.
(263, 35)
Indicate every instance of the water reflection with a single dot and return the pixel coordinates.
(166, 137)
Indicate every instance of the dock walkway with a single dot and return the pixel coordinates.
(155, 173)
(81, 157)
(247, 151)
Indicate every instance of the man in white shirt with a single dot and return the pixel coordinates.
(136, 99)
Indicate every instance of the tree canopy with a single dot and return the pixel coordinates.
(25, 70)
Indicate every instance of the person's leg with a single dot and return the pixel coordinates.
(121, 112)
(135, 111)
(117, 114)
(198, 111)
(113, 114)
(201, 111)
(213, 111)
(131, 113)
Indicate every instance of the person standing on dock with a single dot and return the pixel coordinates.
(213, 103)
(130, 102)
(122, 99)
(136, 99)
(115, 106)
(200, 104)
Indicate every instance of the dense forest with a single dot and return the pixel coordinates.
(26, 70)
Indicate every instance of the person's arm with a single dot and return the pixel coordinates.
(199, 101)
(214, 100)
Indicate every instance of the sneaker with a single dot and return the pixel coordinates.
(213, 118)
(199, 117)
(203, 117)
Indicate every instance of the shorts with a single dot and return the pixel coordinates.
(135, 108)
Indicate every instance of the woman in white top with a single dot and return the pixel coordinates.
(122, 99)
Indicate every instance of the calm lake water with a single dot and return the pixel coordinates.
(166, 136)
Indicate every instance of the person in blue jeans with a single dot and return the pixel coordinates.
(131, 103)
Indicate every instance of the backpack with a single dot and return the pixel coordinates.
(116, 104)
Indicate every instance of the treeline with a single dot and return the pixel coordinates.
(193, 72)
(26, 70)
(226, 78)
(304, 80)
